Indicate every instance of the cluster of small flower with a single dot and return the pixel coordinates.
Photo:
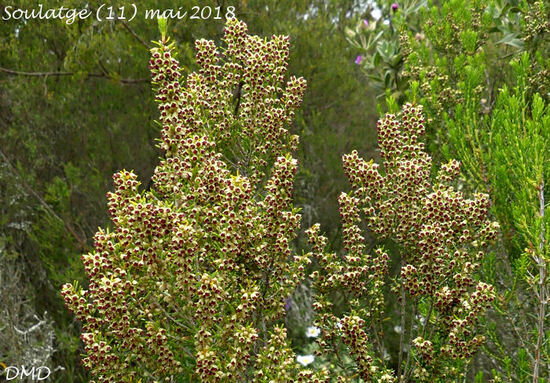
(441, 233)
(198, 267)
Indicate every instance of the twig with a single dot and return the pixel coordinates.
(141, 41)
(427, 319)
(406, 371)
(520, 336)
(402, 334)
(542, 288)
(237, 94)
(32, 328)
(338, 358)
(103, 69)
(81, 242)
(541, 214)
(374, 329)
(62, 74)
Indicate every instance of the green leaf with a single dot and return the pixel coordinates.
(511, 39)
(163, 27)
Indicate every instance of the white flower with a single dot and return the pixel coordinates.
(376, 13)
(398, 329)
(304, 360)
(312, 332)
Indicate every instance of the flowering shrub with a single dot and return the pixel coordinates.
(189, 283)
(440, 236)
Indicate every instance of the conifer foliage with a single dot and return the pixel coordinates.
(189, 282)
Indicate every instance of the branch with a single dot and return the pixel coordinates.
(406, 371)
(141, 41)
(543, 300)
(427, 319)
(237, 94)
(403, 307)
(103, 69)
(81, 241)
(32, 328)
(61, 74)
(541, 214)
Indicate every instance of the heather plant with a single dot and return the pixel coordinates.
(512, 145)
(74, 109)
(440, 236)
(496, 124)
(193, 281)
(517, 162)
(190, 283)
(481, 71)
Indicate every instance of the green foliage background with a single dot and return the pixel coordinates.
(76, 106)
